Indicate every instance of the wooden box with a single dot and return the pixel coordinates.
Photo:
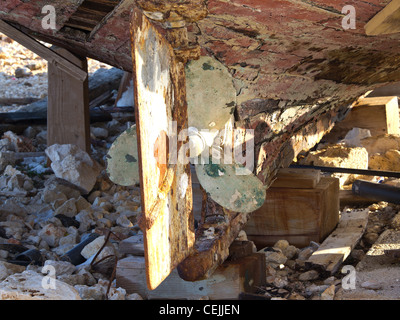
(380, 115)
(298, 215)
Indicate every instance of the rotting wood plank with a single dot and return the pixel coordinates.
(339, 244)
(44, 52)
(386, 21)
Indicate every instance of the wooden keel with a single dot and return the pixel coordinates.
(166, 193)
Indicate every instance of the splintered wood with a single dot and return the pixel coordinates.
(167, 223)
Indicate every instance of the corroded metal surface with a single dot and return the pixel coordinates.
(168, 224)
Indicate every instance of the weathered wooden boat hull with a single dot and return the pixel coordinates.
(295, 68)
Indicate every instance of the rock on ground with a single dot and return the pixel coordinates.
(74, 165)
(30, 285)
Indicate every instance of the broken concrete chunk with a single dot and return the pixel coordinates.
(381, 143)
(388, 161)
(52, 234)
(341, 157)
(68, 208)
(7, 269)
(74, 165)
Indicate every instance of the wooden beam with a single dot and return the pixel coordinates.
(387, 21)
(44, 52)
(297, 178)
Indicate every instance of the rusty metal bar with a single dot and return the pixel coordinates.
(367, 172)
(377, 191)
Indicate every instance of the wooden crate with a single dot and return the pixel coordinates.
(298, 215)
(380, 115)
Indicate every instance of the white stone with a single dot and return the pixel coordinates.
(30, 285)
(52, 234)
(99, 133)
(117, 294)
(371, 285)
(133, 296)
(281, 244)
(123, 221)
(85, 219)
(74, 165)
(93, 247)
(354, 136)
(82, 204)
(309, 275)
(90, 293)
(49, 196)
(68, 208)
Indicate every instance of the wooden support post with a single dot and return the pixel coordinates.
(68, 119)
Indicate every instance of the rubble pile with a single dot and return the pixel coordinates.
(47, 211)
(289, 278)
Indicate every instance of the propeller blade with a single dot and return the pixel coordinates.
(239, 193)
(122, 159)
(210, 108)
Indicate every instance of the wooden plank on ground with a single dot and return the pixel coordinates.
(386, 21)
(380, 115)
(339, 244)
(68, 117)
